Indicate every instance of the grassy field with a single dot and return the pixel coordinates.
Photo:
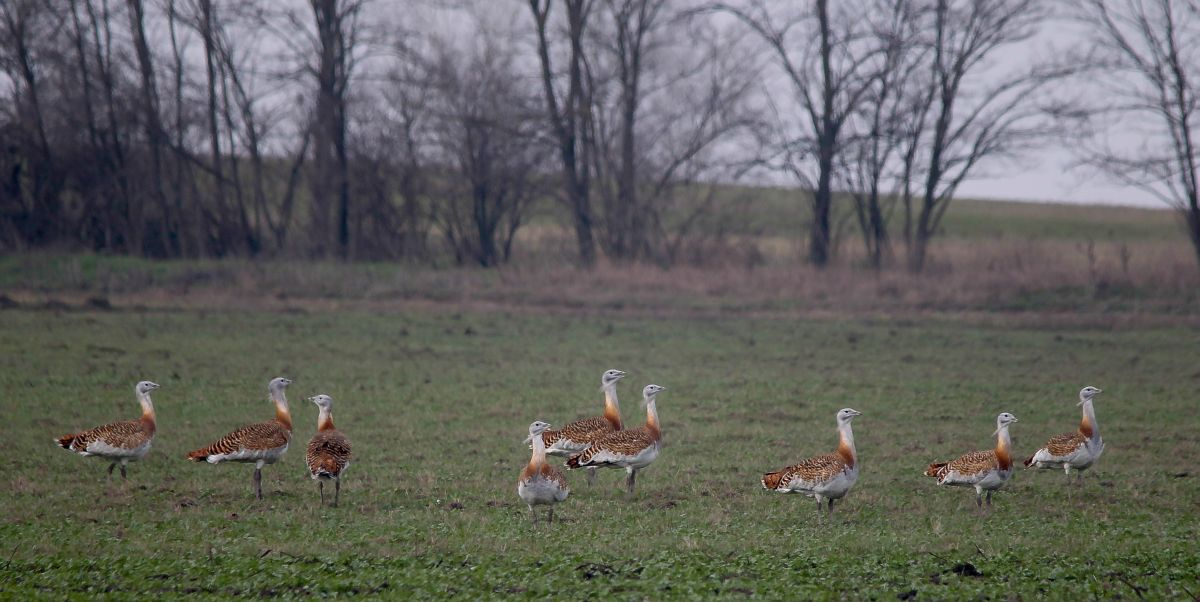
(437, 402)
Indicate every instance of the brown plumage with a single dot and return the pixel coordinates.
(586, 430)
(1062, 445)
(261, 437)
(625, 443)
(976, 462)
(546, 471)
(127, 434)
(328, 453)
(817, 469)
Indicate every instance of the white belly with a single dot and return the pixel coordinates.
(992, 479)
(834, 488)
(566, 447)
(266, 456)
(128, 454)
(537, 491)
(644, 458)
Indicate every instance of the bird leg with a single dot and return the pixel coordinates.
(337, 491)
(123, 477)
(630, 480)
(591, 476)
(533, 514)
(979, 500)
(110, 469)
(989, 500)
(321, 488)
(820, 508)
(258, 482)
(550, 516)
(831, 508)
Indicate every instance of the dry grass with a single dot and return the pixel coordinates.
(1070, 280)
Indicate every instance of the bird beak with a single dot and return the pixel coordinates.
(857, 413)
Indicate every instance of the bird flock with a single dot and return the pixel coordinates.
(592, 443)
(262, 443)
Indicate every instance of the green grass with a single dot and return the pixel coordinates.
(784, 212)
(436, 404)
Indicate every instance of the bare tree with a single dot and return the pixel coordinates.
(882, 149)
(827, 58)
(569, 113)
(974, 113)
(337, 26)
(486, 129)
(1143, 54)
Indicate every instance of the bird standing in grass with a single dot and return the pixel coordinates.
(826, 477)
(329, 450)
(119, 442)
(262, 443)
(632, 449)
(578, 435)
(1073, 451)
(983, 470)
(541, 483)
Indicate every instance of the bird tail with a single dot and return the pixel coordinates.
(574, 461)
(65, 441)
(200, 455)
(1029, 461)
(771, 480)
(935, 469)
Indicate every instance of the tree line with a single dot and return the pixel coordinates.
(419, 130)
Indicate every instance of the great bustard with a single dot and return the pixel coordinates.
(262, 443)
(1073, 451)
(983, 470)
(329, 450)
(632, 449)
(119, 442)
(578, 435)
(541, 483)
(826, 477)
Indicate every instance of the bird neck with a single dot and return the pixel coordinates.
(652, 423)
(612, 408)
(282, 414)
(325, 420)
(846, 445)
(539, 453)
(1003, 447)
(1088, 426)
(148, 417)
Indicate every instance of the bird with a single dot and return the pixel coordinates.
(576, 436)
(541, 483)
(262, 443)
(329, 450)
(632, 449)
(119, 442)
(827, 477)
(1073, 451)
(983, 470)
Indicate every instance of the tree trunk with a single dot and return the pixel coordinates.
(153, 127)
